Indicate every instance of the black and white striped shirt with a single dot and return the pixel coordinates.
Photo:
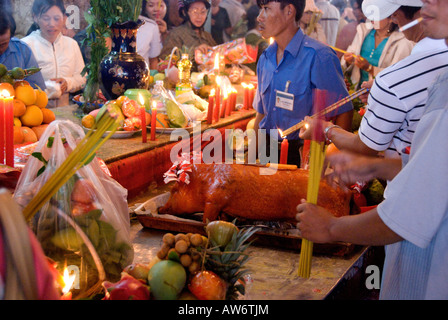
(398, 96)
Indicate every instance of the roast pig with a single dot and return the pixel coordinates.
(240, 191)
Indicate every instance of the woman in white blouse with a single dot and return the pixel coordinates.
(58, 56)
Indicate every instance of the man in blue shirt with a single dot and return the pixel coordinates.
(289, 70)
(15, 53)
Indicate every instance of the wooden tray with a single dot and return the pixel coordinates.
(267, 236)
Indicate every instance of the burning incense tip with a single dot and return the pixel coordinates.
(411, 24)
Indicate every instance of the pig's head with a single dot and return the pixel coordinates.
(184, 199)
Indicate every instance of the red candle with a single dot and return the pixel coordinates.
(224, 105)
(217, 104)
(233, 99)
(211, 102)
(153, 121)
(7, 102)
(229, 104)
(284, 152)
(251, 90)
(246, 96)
(2, 130)
(143, 118)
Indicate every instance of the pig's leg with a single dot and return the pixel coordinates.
(211, 211)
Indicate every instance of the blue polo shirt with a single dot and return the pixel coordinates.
(308, 64)
(20, 55)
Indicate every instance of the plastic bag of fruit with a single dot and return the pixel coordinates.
(85, 225)
(233, 52)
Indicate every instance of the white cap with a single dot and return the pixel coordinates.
(377, 10)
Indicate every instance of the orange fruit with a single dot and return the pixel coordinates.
(33, 116)
(28, 135)
(8, 87)
(20, 83)
(39, 130)
(163, 118)
(26, 94)
(17, 122)
(41, 98)
(331, 149)
(48, 115)
(19, 108)
(18, 135)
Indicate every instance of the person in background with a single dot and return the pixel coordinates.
(313, 29)
(329, 21)
(16, 53)
(397, 99)
(149, 44)
(412, 221)
(156, 10)
(174, 19)
(59, 56)
(374, 49)
(297, 64)
(238, 18)
(220, 22)
(252, 24)
(341, 5)
(348, 32)
(191, 33)
(6, 7)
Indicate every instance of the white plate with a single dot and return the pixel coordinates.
(117, 134)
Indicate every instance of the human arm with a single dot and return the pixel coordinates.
(319, 225)
(350, 168)
(74, 81)
(342, 139)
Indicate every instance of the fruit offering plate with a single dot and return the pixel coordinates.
(117, 134)
(79, 100)
(169, 130)
(273, 233)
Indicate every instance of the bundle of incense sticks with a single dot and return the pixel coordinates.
(316, 16)
(317, 156)
(323, 112)
(83, 152)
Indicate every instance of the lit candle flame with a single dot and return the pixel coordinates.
(154, 104)
(244, 85)
(271, 40)
(142, 101)
(251, 86)
(216, 66)
(307, 125)
(212, 92)
(68, 280)
(281, 133)
(5, 94)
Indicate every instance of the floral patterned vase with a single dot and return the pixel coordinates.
(123, 68)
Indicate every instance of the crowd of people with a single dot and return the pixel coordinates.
(195, 25)
(406, 107)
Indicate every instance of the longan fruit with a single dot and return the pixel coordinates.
(169, 239)
(180, 236)
(194, 266)
(181, 246)
(186, 260)
(196, 240)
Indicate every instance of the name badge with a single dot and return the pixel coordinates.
(284, 100)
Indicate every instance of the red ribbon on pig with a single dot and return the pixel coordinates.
(178, 172)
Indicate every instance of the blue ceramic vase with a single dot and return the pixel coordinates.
(123, 68)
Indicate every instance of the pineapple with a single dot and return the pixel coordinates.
(229, 262)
